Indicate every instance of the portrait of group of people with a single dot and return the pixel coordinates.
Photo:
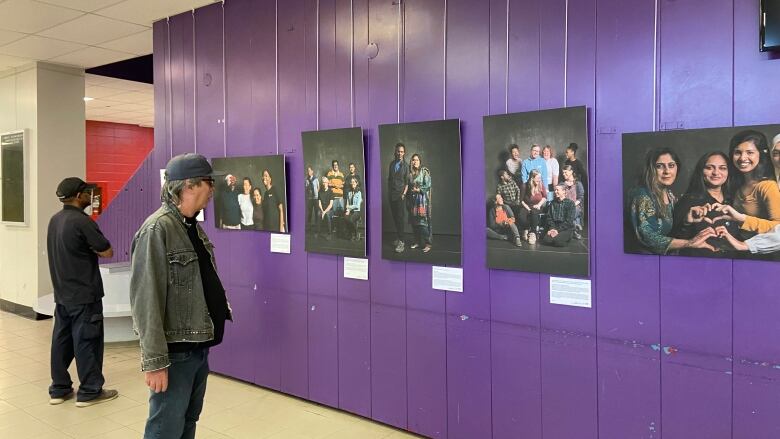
(707, 192)
(252, 195)
(335, 196)
(536, 187)
(421, 212)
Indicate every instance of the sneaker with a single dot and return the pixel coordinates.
(400, 247)
(577, 235)
(427, 248)
(518, 242)
(532, 238)
(414, 246)
(525, 235)
(105, 395)
(60, 399)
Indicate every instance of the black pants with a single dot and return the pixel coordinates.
(351, 222)
(561, 239)
(530, 219)
(78, 333)
(398, 209)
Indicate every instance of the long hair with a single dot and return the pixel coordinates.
(697, 185)
(548, 148)
(531, 188)
(650, 178)
(762, 169)
(411, 169)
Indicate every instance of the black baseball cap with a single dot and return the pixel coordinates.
(189, 165)
(70, 187)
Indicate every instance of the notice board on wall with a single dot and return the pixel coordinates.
(12, 186)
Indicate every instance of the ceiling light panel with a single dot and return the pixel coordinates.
(92, 30)
(30, 17)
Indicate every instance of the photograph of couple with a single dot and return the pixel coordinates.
(708, 192)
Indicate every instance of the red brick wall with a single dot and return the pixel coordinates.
(114, 153)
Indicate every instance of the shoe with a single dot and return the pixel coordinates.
(105, 395)
(577, 235)
(532, 238)
(414, 246)
(400, 247)
(518, 242)
(427, 248)
(525, 235)
(60, 399)
(504, 238)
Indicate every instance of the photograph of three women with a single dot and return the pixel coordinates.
(705, 192)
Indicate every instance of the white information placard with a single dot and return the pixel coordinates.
(201, 217)
(570, 292)
(447, 278)
(280, 243)
(356, 268)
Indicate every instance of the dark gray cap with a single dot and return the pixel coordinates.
(189, 165)
(70, 187)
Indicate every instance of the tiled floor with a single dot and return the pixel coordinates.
(232, 409)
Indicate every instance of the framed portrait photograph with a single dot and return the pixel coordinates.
(252, 195)
(712, 193)
(536, 191)
(421, 191)
(13, 171)
(335, 197)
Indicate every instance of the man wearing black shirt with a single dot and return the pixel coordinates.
(74, 243)
(177, 299)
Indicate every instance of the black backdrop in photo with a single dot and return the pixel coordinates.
(438, 144)
(320, 148)
(557, 128)
(689, 145)
(251, 167)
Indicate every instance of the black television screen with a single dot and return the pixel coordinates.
(12, 160)
(770, 25)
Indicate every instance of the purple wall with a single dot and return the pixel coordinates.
(674, 347)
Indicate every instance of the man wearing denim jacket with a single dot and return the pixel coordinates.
(177, 300)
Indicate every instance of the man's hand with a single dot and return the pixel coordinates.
(157, 380)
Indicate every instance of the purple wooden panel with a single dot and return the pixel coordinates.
(499, 65)
(515, 352)
(524, 56)
(567, 332)
(239, 118)
(181, 93)
(323, 330)
(756, 306)
(626, 316)
(423, 349)
(236, 355)
(162, 79)
(293, 299)
(388, 298)
(696, 295)
(209, 81)
(468, 313)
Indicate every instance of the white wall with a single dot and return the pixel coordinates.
(47, 100)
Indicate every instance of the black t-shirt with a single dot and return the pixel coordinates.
(271, 203)
(213, 290)
(72, 242)
(325, 198)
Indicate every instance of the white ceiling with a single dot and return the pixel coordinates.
(120, 101)
(89, 33)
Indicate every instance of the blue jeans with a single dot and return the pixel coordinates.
(173, 413)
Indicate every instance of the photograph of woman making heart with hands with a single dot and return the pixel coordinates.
(731, 207)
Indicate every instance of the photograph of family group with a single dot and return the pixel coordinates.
(334, 168)
(707, 192)
(536, 191)
(252, 195)
(421, 212)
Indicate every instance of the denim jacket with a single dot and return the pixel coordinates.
(166, 291)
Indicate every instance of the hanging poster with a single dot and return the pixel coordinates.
(13, 187)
